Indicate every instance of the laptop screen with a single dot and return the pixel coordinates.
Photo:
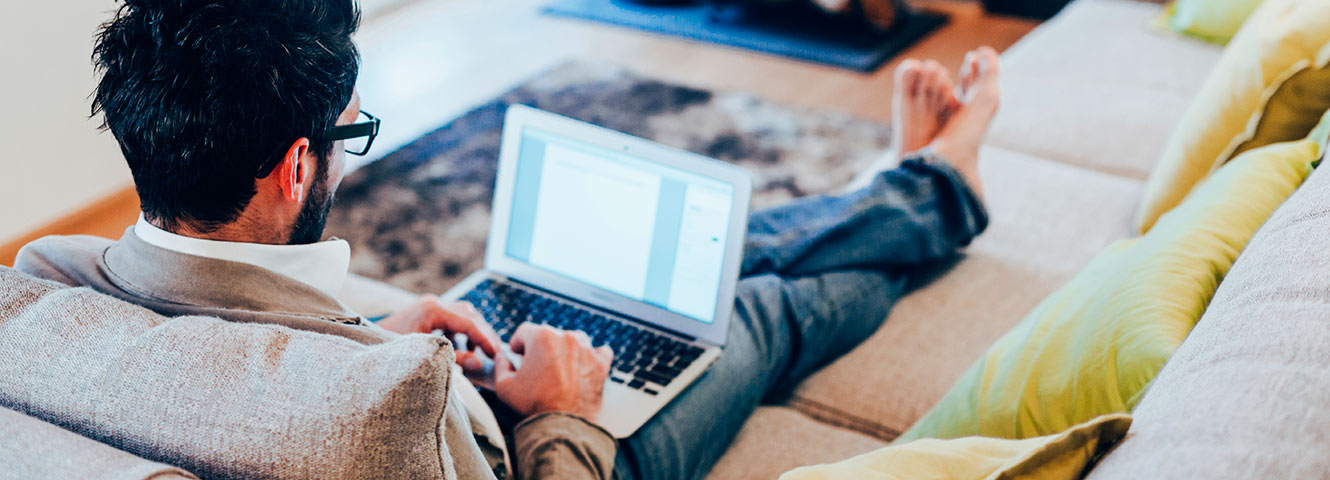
(624, 224)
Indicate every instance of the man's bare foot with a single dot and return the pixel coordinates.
(979, 95)
(922, 102)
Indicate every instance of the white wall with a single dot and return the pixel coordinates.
(53, 160)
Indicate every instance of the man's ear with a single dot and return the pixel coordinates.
(293, 173)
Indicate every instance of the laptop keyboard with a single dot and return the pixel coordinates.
(643, 359)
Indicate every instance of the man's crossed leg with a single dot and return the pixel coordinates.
(821, 274)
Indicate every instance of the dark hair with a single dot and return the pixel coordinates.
(203, 94)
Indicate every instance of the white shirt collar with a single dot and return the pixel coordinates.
(321, 265)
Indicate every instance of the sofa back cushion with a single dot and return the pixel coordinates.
(222, 399)
(31, 448)
(1278, 36)
(1214, 21)
(1093, 347)
(1246, 395)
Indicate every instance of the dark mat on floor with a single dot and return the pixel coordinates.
(418, 218)
(793, 31)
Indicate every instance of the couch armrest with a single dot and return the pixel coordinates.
(31, 448)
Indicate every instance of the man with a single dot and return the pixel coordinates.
(234, 115)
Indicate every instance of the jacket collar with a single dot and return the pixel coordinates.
(169, 276)
(322, 265)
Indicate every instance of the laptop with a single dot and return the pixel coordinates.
(635, 243)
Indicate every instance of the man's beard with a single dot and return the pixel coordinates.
(314, 213)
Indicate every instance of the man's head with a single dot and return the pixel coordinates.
(220, 107)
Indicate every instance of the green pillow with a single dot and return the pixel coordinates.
(1092, 347)
(1214, 21)
(1292, 109)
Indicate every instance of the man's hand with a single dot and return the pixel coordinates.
(560, 372)
(428, 314)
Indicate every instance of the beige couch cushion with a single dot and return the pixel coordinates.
(222, 399)
(778, 439)
(1248, 394)
(31, 448)
(1096, 88)
(1048, 220)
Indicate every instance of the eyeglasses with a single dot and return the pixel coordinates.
(356, 139)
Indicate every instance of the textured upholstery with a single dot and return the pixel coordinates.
(1245, 395)
(777, 439)
(31, 448)
(1048, 220)
(219, 398)
(1095, 87)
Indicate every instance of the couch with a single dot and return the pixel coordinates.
(1090, 99)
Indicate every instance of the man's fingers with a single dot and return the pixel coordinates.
(503, 364)
(504, 371)
(476, 327)
(524, 333)
(438, 316)
(582, 338)
(465, 310)
(470, 362)
(459, 317)
(530, 333)
(605, 355)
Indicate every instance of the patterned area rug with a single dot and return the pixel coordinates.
(419, 217)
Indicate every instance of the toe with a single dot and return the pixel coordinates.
(987, 52)
(970, 69)
(945, 84)
(933, 81)
(986, 83)
(985, 61)
(935, 70)
(908, 76)
(944, 75)
(946, 95)
(993, 63)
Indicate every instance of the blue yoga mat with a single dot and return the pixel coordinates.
(794, 32)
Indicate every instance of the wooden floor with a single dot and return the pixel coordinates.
(426, 61)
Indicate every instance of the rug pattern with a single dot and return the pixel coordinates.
(418, 218)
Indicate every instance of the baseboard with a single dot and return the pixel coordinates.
(106, 217)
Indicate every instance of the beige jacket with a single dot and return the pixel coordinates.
(174, 284)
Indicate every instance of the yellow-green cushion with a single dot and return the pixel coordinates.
(1053, 457)
(1214, 21)
(1293, 108)
(1278, 35)
(1092, 347)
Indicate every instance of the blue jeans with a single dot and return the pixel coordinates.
(819, 276)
